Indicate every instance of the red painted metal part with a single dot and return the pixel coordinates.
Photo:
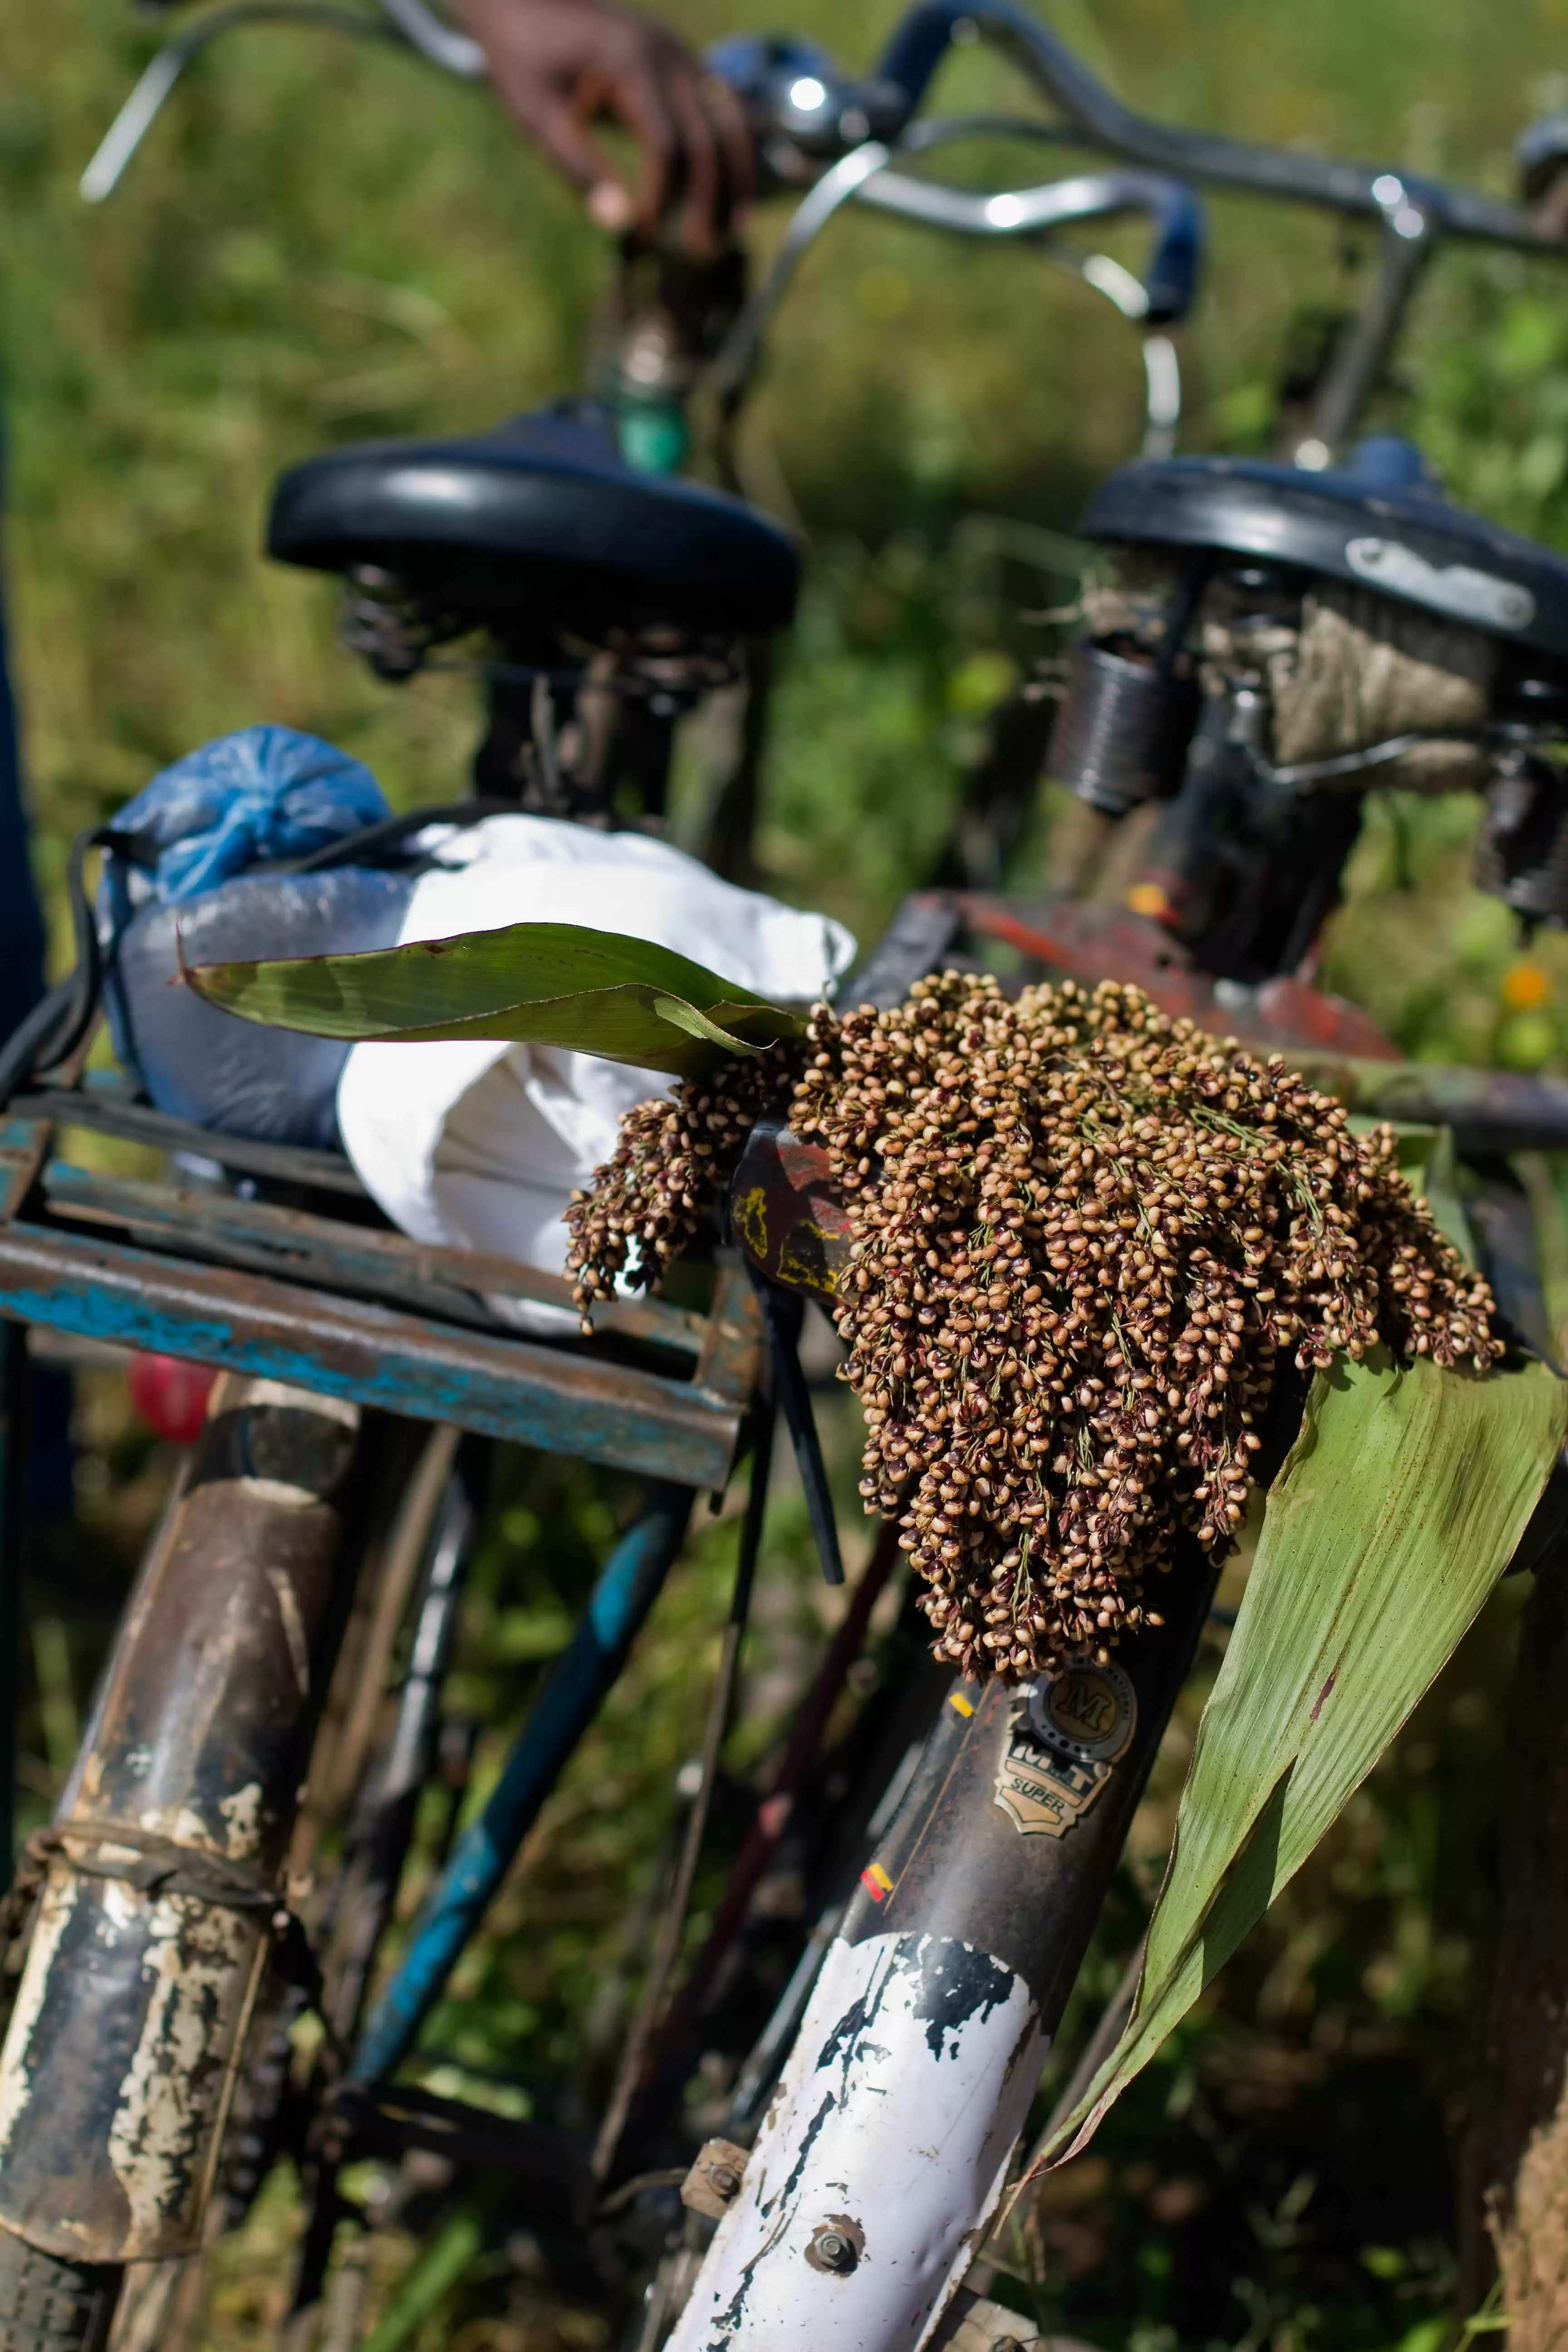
(1092, 943)
(170, 1394)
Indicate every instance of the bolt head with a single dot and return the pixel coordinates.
(722, 2180)
(834, 2250)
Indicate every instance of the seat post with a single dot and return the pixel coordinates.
(507, 762)
(575, 749)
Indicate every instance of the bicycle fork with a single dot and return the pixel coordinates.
(161, 1899)
(885, 2151)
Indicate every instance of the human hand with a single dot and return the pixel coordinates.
(560, 66)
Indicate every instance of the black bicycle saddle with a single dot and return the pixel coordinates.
(540, 522)
(1381, 522)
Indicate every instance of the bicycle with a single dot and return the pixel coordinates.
(149, 2206)
(1234, 851)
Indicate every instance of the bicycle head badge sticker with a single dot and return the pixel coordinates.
(1065, 1734)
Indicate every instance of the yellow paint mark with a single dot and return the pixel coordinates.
(751, 1216)
(957, 1699)
(802, 1268)
(1147, 898)
(875, 1871)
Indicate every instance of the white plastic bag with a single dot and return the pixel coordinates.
(478, 1146)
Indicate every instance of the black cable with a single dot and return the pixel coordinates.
(60, 1020)
(782, 1312)
(62, 1017)
(392, 832)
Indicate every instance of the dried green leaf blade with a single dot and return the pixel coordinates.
(429, 984)
(1399, 1505)
(634, 1025)
(559, 984)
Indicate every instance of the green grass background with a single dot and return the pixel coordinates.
(324, 241)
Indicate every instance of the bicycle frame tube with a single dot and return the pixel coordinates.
(158, 1909)
(626, 1592)
(883, 2155)
(380, 1839)
(1357, 365)
(13, 1470)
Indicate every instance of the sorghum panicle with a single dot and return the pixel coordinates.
(1084, 1234)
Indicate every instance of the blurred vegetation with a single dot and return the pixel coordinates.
(323, 241)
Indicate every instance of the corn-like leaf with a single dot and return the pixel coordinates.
(1399, 1505)
(533, 983)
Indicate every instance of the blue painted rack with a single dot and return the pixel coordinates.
(324, 1297)
(309, 1286)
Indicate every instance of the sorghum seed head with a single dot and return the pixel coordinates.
(1072, 1206)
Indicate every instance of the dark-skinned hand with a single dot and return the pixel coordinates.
(561, 66)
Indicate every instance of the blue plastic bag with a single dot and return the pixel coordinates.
(205, 840)
(245, 800)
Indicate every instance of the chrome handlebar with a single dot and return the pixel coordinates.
(813, 128)
(145, 103)
(842, 140)
(866, 175)
(922, 39)
(805, 113)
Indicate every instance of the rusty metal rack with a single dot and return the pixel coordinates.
(308, 1286)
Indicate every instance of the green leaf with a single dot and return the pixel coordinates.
(1399, 1507)
(1426, 2336)
(431, 2276)
(557, 984)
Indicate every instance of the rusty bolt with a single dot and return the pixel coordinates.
(834, 2247)
(713, 2182)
